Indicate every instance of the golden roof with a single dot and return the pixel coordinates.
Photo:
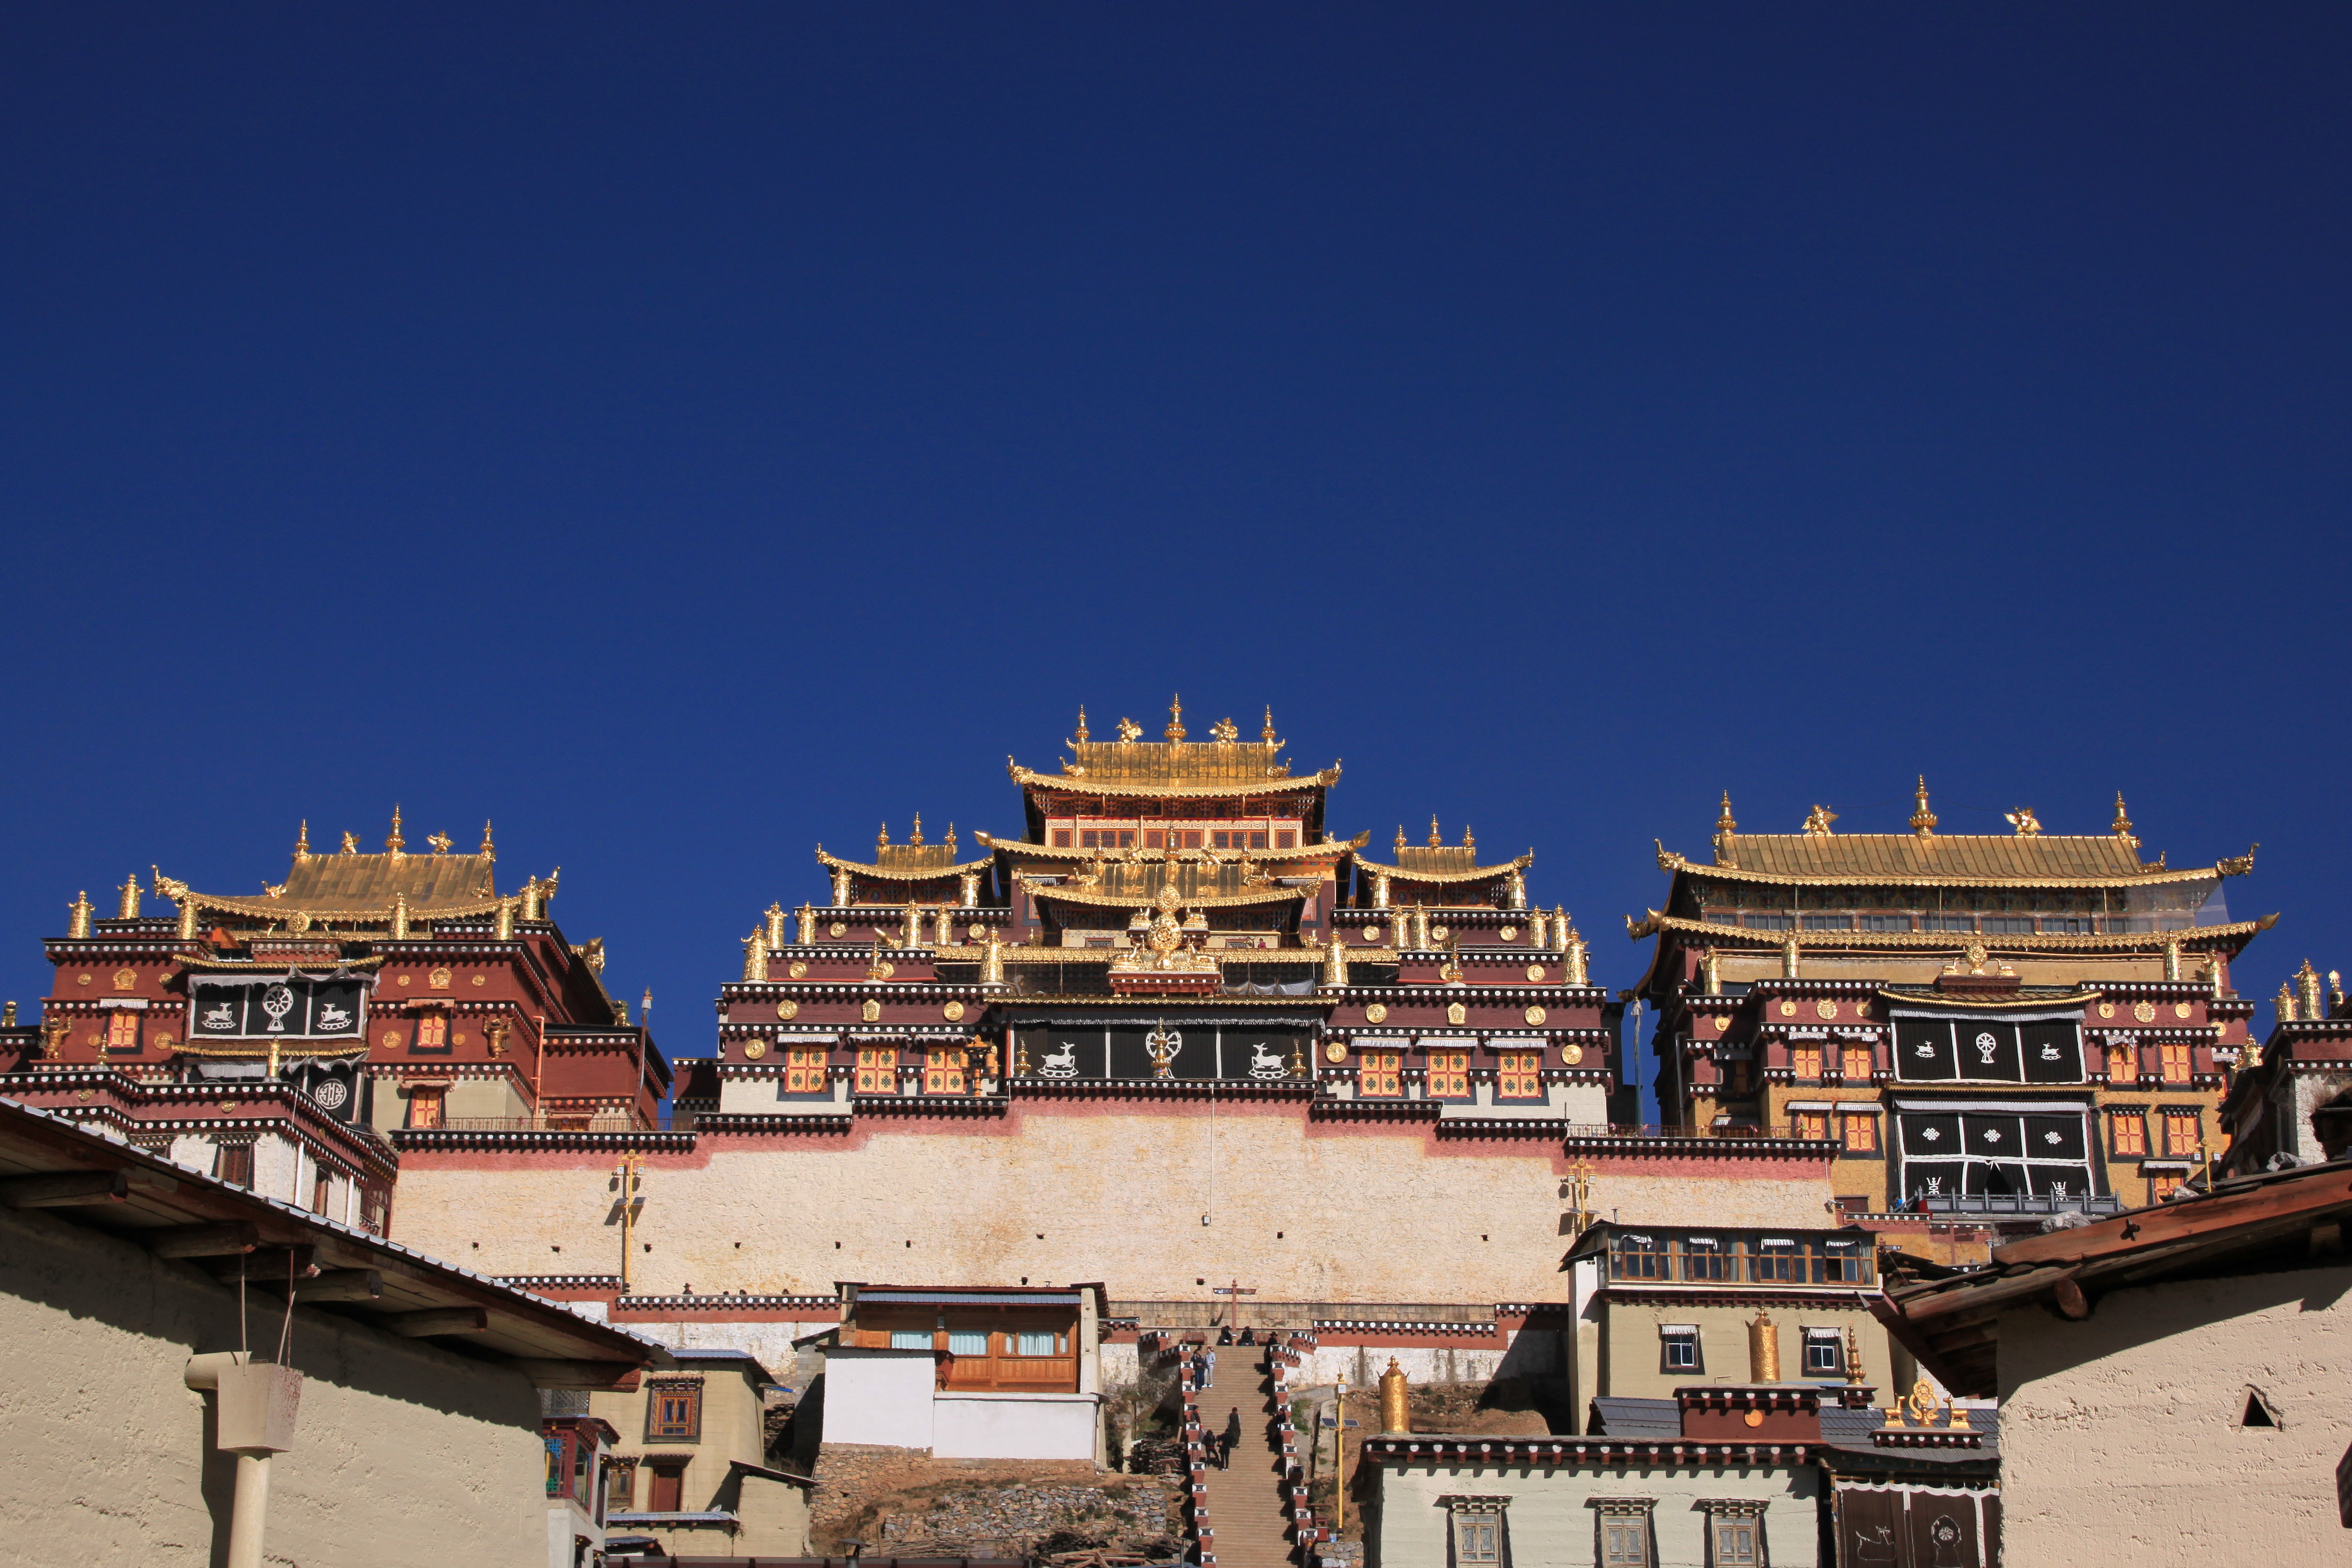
(1946, 859)
(1224, 764)
(370, 881)
(910, 863)
(1174, 778)
(1319, 849)
(1416, 864)
(1136, 901)
(2198, 938)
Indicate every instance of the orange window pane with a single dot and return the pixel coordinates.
(2128, 1133)
(2176, 1063)
(425, 1107)
(1378, 1073)
(1807, 1060)
(2164, 1183)
(2180, 1133)
(1449, 1075)
(1809, 1123)
(2123, 1064)
(1861, 1134)
(1520, 1075)
(804, 1070)
(878, 1070)
(432, 1032)
(1857, 1062)
(122, 1031)
(943, 1072)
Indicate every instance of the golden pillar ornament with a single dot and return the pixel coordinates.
(1396, 1417)
(1580, 960)
(1380, 889)
(1420, 927)
(840, 889)
(755, 957)
(944, 918)
(775, 925)
(1763, 1349)
(1558, 927)
(187, 917)
(914, 921)
(505, 928)
(78, 917)
(991, 965)
(968, 888)
(808, 926)
(1398, 923)
(1335, 963)
(128, 910)
(399, 916)
(1538, 924)
(1514, 892)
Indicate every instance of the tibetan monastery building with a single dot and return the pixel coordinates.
(1180, 1036)
(1981, 1025)
(273, 1040)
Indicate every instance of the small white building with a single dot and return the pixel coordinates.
(968, 1372)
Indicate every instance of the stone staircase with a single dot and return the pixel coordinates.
(1248, 1509)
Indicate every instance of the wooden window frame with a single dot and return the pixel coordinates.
(944, 1068)
(1638, 1512)
(1805, 1063)
(1380, 1074)
(122, 1032)
(685, 1427)
(432, 1033)
(2173, 1124)
(1448, 1073)
(428, 1109)
(2126, 1055)
(1518, 1075)
(2128, 1133)
(874, 1074)
(808, 1069)
(1735, 1513)
(233, 1163)
(666, 1475)
(2175, 1054)
(1850, 1057)
(1465, 1519)
(1858, 1133)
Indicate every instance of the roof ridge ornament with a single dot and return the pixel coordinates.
(916, 841)
(1818, 820)
(1436, 839)
(2121, 825)
(1923, 821)
(2234, 866)
(394, 845)
(2028, 825)
(1175, 731)
(302, 843)
(882, 838)
(487, 853)
(1266, 734)
(1725, 827)
(1080, 738)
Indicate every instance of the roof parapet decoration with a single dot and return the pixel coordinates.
(1652, 923)
(1319, 849)
(1866, 859)
(909, 869)
(1224, 764)
(1421, 868)
(1137, 900)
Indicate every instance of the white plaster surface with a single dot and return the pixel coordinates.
(1551, 1527)
(2120, 1436)
(878, 1398)
(1010, 1425)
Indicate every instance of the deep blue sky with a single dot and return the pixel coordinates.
(684, 435)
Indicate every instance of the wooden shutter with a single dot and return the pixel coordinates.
(1860, 1134)
(878, 1070)
(943, 1072)
(123, 1030)
(1376, 1073)
(667, 1488)
(804, 1070)
(2123, 1064)
(1449, 1075)
(2180, 1133)
(2176, 1063)
(1519, 1076)
(425, 1106)
(1808, 1060)
(2127, 1133)
(1857, 1063)
(1811, 1123)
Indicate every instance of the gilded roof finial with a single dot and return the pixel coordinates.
(440, 842)
(302, 842)
(2028, 825)
(78, 916)
(1923, 821)
(1224, 732)
(1267, 734)
(487, 853)
(1724, 829)
(1818, 820)
(1175, 731)
(350, 843)
(2335, 991)
(2122, 823)
(951, 841)
(2306, 985)
(1082, 724)
(918, 839)
(1399, 839)
(1467, 841)
(128, 909)
(883, 837)
(1436, 839)
(393, 843)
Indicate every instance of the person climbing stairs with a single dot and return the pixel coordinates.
(1248, 1510)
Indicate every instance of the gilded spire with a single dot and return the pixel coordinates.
(1436, 839)
(78, 916)
(1467, 841)
(128, 908)
(951, 841)
(882, 839)
(1399, 839)
(1724, 829)
(2121, 825)
(393, 843)
(1266, 734)
(487, 853)
(302, 842)
(1082, 724)
(1923, 821)
(917, 839)
(1175, 731)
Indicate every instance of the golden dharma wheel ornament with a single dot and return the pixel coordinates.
(1335, 1052)
(164, 1042)
(1535, 971)
(1788, 1008)
(2107, 1009)
(1722, 1022)
(1438, 933)
(1536, 1016)
(799, 967)
(754, 1049)
(402, 981)
(439, 978)
(952, 1012)
(1378, 1013)
(1372, 935)
(871, 1011)
(837, 929)
(458, 1039)
(2144, 1011)
(1826, 1009)
(1571, 1053)
(2180, 1009)
(1455, 1013)
(125, 979)
(85, 978)
(788, 1009)
(977, 931)
(389, 1039)
(1510, 934)
(481, 979)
